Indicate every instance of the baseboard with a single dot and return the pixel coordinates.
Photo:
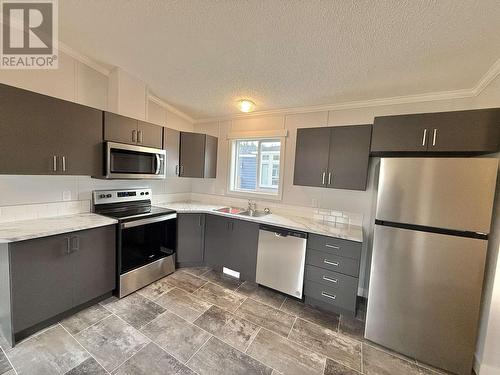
(481, 369)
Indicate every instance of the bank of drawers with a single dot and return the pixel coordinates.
(331, 274)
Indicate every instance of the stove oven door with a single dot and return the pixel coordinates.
(146, 241)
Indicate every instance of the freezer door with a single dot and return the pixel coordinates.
(451, 193)
(424, 296)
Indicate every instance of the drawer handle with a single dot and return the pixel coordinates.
(326, 278)
(326, 261)
(333, 247)
(328, 295)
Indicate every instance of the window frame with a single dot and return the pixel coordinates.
(261, 193)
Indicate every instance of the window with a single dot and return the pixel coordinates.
(255, 166)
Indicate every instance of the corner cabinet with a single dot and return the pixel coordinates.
(197, 155)
(122, 129)
(458, 132)
(42, 135)
(334, 157)
(54, 275)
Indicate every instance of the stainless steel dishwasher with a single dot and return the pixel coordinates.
(281, 257)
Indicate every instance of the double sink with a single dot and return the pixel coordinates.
(242, 211)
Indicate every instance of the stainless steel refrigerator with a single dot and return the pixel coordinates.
(429, 249)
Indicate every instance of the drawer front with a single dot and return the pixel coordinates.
(336, 246)
(332, 262)
(343, 298)
(332, 279)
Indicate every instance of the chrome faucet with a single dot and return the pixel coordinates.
(252, 206)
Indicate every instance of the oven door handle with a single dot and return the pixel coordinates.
(158, 164)
(150, 220)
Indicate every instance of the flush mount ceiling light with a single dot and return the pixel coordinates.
(246, 105)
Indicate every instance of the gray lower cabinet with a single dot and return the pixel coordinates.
(467, 132)
(335, 157)
(231, 243)
(190, 239)
(331, 274)
(42, 135)
(197, 155)
(49, 276)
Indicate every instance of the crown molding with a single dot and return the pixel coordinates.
(169, 107)
(83, 59)
(483, 82)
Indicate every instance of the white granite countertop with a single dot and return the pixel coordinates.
(27, 229)
(310, 225)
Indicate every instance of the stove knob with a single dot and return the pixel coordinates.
(147, 192)
(142, 193)
(108, 196)
(102, 196)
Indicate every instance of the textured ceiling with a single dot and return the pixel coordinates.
(202, 55)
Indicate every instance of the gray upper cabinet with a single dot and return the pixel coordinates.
(171, 143)
(335, 157)
(190, 239)
(473, 132)
(52, 275)
(349, 157)
(149, 135)
(404, 133)
(311, 157)
(119, 128)
(44, 135)
(197, 155)
(122, 129)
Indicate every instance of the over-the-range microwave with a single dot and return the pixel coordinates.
(124, 161)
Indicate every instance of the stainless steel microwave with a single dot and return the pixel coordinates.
(124, 161)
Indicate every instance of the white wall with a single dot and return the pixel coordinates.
(75, 81)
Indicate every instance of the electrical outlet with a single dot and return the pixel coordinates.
(66, 195)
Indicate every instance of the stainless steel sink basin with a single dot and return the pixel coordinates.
(253, 213)
(231, 210)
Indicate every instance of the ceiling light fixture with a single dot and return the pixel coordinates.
(246, 105)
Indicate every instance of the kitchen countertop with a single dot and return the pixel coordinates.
(343, 231)
(27, 229)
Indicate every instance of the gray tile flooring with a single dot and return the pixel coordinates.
(197, 321)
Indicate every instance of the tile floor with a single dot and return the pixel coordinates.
(197, 321)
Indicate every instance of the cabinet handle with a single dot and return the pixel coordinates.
(323, 178)
(424, 137)
(68, 245)
(139, 136)
(329, 178)
(326, 278)
(182, 170)
(434, 136)
(64, 163)
(134, 138)
(176, 170)
(326, 261)
(75, 243)
(328, 295)
(332, 247)
(199, 221)
(54, 163)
